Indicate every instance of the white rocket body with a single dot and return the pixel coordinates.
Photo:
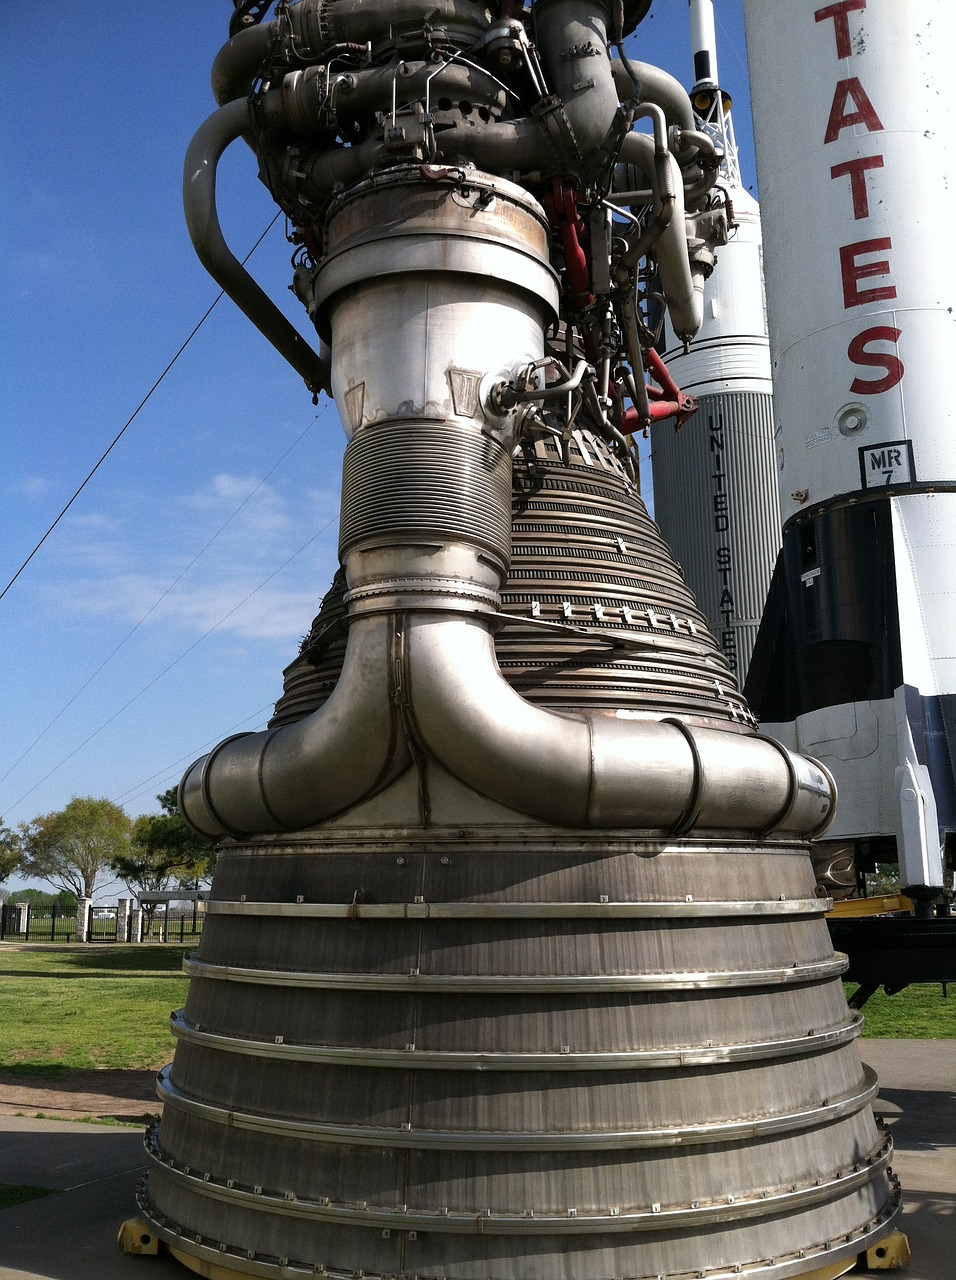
(715, 482)
(857, 656)
(715, 490)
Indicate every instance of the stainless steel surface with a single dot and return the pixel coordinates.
(419, 910)
(492, 1060)
(554, 1140)
(202, 219)
(535, 984)
(71, 1236)
(723, 464)
(513, 967)
(353, 737)
(313, 1094)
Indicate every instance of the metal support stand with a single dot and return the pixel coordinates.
(887, 1254)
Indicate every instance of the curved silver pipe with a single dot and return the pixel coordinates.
(316, 24)
(685, 301)
(238, 63)
(664, 192)
(656, 86)
(569, 32)
(499, 147)
(290, 778)
(702, 142)
(571, 769)
(590, 770)
(584, 83)
(199, 202)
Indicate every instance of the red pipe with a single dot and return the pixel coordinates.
(677, 405)
(563, 213)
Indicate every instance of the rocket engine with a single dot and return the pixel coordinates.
(513, 965)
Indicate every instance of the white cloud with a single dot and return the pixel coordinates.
(94, 522)
(243, 503)
(264, 563)
(93, 543)
(32, 486)
(225, 491)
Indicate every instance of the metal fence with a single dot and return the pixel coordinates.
(101, 925)
(173, 926)
(24, 922)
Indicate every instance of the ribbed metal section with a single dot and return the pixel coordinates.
(715, 499)
(425, 479)
(311, 677)
(601, 1083)
(586, 558)
(554, 1140)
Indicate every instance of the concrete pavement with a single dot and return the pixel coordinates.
(72, 1236)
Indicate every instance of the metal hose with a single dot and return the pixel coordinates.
(199, 203)
(668, 234)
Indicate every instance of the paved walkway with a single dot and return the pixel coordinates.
(72, 1236)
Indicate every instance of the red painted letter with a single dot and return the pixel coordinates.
(876, 359)
(853, 271)
(841, 26)
(856, 171)
(851, 91)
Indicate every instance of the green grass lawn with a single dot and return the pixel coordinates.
(106, 1006)
(920, 1012)
(88, 1007)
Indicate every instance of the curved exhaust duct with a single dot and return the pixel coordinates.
(239, 61)
(316, 768)
(598, 771)
(575, 770)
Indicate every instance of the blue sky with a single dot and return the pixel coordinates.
(160, 612)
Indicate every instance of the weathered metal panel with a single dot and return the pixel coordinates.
(715, 498)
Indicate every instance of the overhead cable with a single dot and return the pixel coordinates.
(129, 421)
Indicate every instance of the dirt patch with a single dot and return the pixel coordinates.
(126, 1096)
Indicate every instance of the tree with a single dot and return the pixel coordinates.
(10, 854)
(64, 900)
(164, 849)
(71, 847)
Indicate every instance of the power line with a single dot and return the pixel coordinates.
(734, 48)
(155, 605)
(162, 775)
(135, 698)
(105, 454)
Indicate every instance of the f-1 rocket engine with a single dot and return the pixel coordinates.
(513, 965)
